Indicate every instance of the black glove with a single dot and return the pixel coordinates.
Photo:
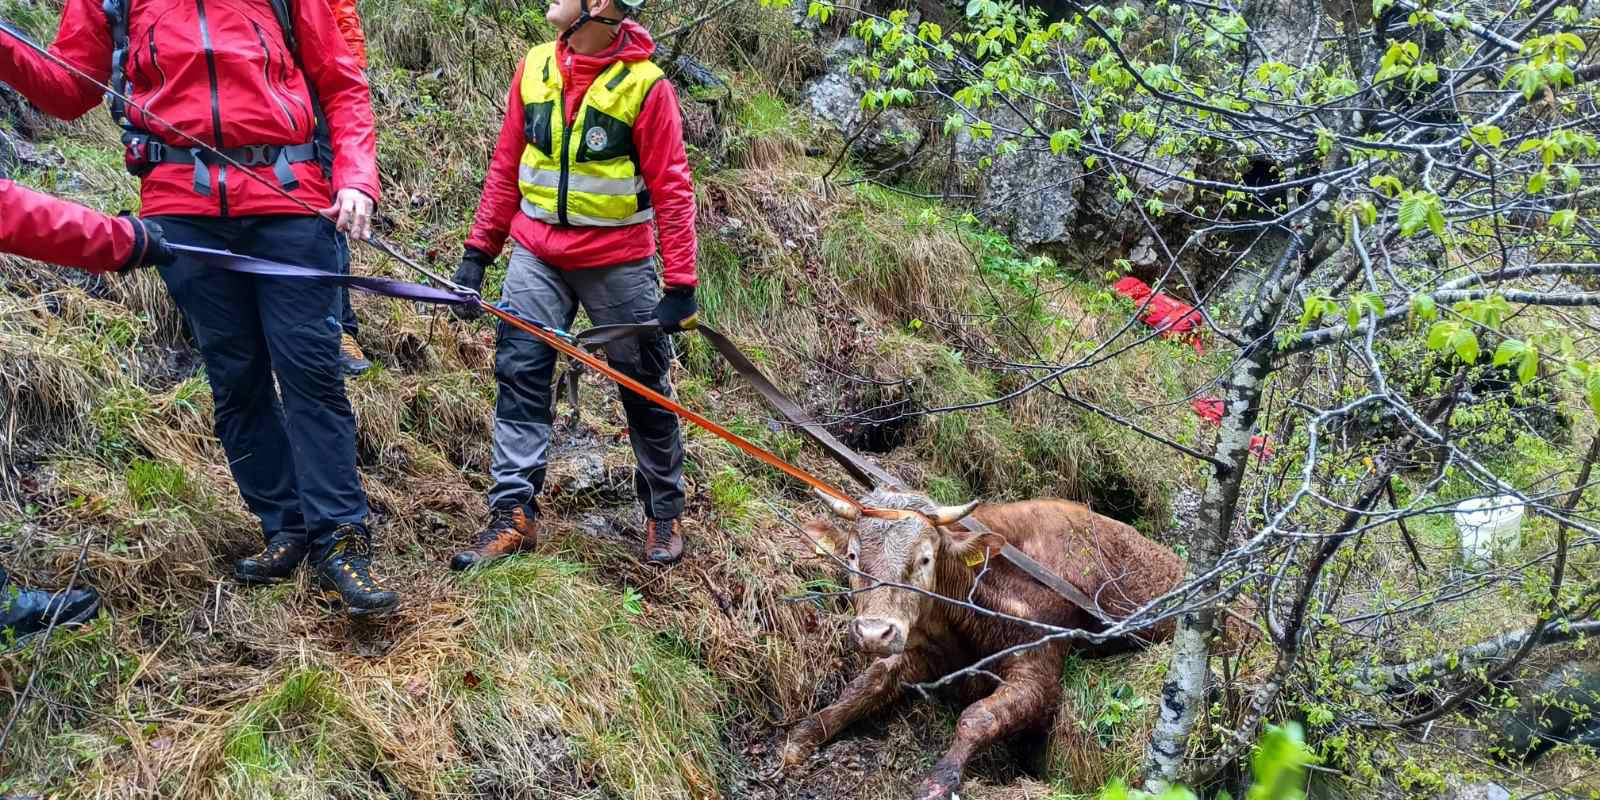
(470, 275)
(150, 246)
(677, 311)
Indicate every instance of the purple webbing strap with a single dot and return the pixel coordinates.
(250, 265)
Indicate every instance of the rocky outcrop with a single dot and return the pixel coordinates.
(893, 137)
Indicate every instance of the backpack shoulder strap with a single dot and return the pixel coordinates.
(285, 14)
(281, 10)
(117, 21)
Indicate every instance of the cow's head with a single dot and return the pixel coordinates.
(887, 552)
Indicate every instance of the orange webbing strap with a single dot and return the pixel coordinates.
(864, 470)
(562, 346)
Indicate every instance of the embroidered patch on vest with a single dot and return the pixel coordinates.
(595, 138)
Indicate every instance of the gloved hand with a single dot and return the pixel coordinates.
(470, 275)
(150, 245)
(677, 311)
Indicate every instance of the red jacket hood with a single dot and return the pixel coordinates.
(633, 43)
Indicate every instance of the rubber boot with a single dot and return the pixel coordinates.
(28, 612)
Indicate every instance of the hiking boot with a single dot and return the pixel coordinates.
(663, 541)
(351, 358)
(28, 612)
(346, 575)
(511, 529)
(284, 552)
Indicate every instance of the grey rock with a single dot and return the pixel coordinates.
(1030, 194)
(1474, 791)
(835, 97)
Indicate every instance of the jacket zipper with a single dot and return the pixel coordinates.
(216, 108)
(266, 75)
(566, 149)
(155, 61)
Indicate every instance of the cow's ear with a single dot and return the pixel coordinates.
(973, 548)
(826, 538)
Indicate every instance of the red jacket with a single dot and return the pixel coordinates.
(657, 135)
(217, 70)
(344, 13)
(44, 228)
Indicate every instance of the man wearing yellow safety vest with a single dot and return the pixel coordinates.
(590, 155)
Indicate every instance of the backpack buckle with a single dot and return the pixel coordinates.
(256, 155)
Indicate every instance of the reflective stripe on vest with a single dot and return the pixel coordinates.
(586, 174)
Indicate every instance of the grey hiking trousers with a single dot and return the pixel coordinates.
(525, 370)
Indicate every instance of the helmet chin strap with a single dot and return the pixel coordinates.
(585, 17)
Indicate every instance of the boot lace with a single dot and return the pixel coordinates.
(348, 346)
(353, 554)
(500, 520)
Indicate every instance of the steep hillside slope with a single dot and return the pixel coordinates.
(573, 672)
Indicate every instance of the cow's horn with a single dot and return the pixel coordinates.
(839, 507)
(949, 515)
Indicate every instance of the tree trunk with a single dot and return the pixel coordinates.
(1184, 690)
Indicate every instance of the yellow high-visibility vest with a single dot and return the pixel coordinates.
(586, 174)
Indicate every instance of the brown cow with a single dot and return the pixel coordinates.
(920, 638)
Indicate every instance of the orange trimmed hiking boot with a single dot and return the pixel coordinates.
(511, 529)
(663, 541)
(284, 552)
(345, 576)
(350, 356)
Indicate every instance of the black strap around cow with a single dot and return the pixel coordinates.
(865, 471)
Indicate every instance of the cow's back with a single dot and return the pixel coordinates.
(1109, 561)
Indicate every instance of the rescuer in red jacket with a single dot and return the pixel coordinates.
(590, 155)
(271, 84)
(44, 228)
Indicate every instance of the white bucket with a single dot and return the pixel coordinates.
(1487, 525)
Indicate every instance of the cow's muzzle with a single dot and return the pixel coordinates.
(878, 636)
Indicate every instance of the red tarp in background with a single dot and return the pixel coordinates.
(1176, 320)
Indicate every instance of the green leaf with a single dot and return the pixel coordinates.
(1465, 344)
(1591, 390)
(1564, 219)
(1418, 210)
(1509, 349)
(973, 7)
(1490, 135)
(1424, 308)
(1062, 140)
(1388, 184)
(1439, 335)
(1537, 180)
(1528, 368)
(1363, 304)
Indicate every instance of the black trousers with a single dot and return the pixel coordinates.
(291, 447)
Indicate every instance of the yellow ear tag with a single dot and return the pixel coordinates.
(976, 557)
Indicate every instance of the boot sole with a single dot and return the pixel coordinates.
(333, 599)
(259, 580)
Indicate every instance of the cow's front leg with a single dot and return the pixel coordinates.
(873, 689)
(1023, 701)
